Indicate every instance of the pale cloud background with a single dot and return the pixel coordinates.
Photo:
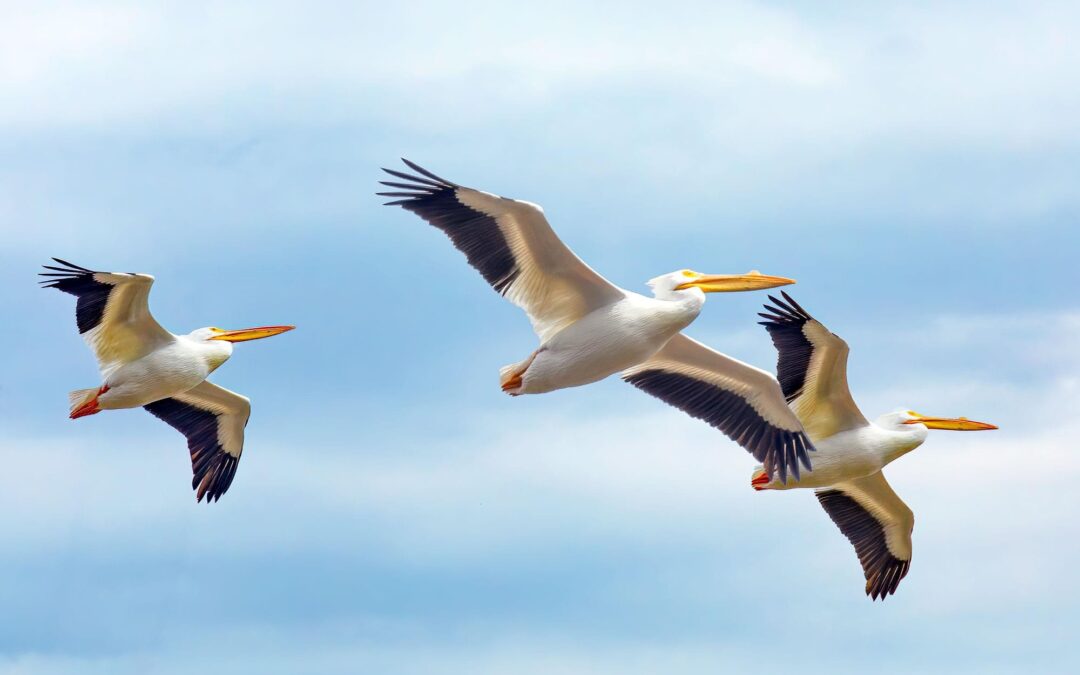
(913, 166)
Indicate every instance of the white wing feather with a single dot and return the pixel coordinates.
(812, 369)
(112, 312)
(875, 495)
(231, 409)
(554, 286)
(127, 331)
(512, 245)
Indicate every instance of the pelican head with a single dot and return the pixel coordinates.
(908, 419)
(670, 285)
(216, 345)
(910, 429)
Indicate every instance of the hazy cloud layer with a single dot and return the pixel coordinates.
(914, 167)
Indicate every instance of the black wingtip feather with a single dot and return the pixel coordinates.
(796, 305)
(424, 172)
(726, 411)
(395, 184)
(785, 322)
(472, 232)
(71, 265)
(78, 281)
(212, 467)
(412, 178)
(883, 570)
(787, 309)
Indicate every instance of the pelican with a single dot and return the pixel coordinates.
(142, 364)
(588, 327)
(851, 451)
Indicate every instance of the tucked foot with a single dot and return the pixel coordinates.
(511, 377)
(85, 402)
(760, 480)
(511, 385)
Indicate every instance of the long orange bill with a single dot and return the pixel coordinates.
(950, 423)
(245, 334)
(730, 283)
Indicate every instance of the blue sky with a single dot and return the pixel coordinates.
(914, 167)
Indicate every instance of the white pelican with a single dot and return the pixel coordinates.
(851, 451)
(588, 327)
(142, 364)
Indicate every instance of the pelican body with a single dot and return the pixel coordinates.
(144, 365)
(182, 362)
(851, 450)
(865, 450)
(590, 328)
(607, 340)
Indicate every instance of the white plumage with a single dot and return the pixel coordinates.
(588, 327)
(142, 364)
(851, 451)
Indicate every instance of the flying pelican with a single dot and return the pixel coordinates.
(142, 364)
(851, 451)
(588, 327)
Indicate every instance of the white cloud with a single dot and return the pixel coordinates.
(516, 487)
(650, 510)
(43, 42)
(659, 501)
(272, 653)
(231, 119)
(760, 78)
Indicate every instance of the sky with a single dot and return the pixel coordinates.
(913, 165)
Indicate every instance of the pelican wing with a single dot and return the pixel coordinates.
(812, 369)
(511, 244)
(878, 524)
(112, 314)
(743, 402)
(212, 419)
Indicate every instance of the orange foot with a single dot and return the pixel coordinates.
(760, 480)
(91, 407)
(509, 381)
(512, 383)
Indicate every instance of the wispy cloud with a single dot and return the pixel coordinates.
(650, 514)
(913, 167)
(923, 73)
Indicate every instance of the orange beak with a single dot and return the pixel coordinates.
(731, 283)
(245, 334)
(950, 423)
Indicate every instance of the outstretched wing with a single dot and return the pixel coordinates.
(743, 402)
(511, 244)
(112, 314)
(878, 524)
(212, 419)
(812, 369)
